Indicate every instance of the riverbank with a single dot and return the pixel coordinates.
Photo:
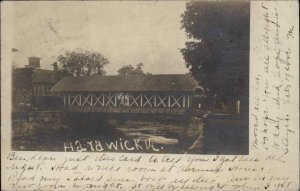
(52, 132)
(216, 134)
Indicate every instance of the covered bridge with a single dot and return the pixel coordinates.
(157, 94)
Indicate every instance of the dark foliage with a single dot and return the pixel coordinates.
(214, 27)
(81, 63)
(130, 70)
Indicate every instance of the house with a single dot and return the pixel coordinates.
(31, 81)
(42, 81)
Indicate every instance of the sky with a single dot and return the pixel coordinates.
(124, 32)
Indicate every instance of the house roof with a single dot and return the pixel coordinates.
(34, 57)
(44, 76)
(129, 83)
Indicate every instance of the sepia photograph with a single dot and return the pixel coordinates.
(131, 77)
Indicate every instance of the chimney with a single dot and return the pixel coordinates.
(55, 66)
(34, 62)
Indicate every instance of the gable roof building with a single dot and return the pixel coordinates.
(169, 94)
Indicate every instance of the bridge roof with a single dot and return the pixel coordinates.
(129, 83)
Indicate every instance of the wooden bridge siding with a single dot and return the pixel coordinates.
(127, 110)
(127, 102)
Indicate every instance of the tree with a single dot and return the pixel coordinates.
(213, 27)
(202, 60)
(130, 70)
(81, 63)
